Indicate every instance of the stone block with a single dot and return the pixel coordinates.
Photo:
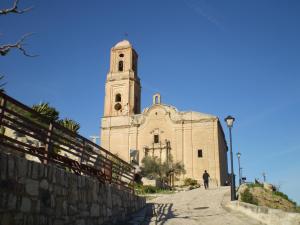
(32, 187)
(80, 222)
(109, 212)
(35, 170)
(21, 167)
(3, 166)
(44, 184)
(41, 171)
(84, 213)
(29, 168)
(53, 201)
(72, 211)
(95, 210)
(36, 206)
(25, 205)
(58, 222)
(12, 202)
(11, 167)
(7, 219)
(18, 218)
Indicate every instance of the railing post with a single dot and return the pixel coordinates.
(83, 148)
(133, 181)
(2, 109)
(48, 146)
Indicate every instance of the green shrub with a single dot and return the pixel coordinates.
(247, 197)
(284, 196)
(190, 182)
(150, 189)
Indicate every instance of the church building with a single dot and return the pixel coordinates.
(193, 138)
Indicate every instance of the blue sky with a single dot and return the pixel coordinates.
(218, 57)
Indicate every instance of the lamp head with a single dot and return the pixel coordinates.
(238, 154)
(229, 121)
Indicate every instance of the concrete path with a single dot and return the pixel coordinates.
(197, 206)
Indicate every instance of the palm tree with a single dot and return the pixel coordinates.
(46, 110)
(70, 124)
(1, 84)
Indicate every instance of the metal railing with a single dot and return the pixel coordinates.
(25, 132)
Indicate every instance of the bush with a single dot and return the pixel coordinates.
(190, 182)
(284, 196)
(247, 197)
(150, 189)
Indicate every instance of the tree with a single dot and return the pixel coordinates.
(152, 167)
(6, 48)
(69, 124)
(52, 114)
(46, 110)
(1, 84)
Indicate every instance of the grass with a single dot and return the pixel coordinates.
(253, 185)
(284, 196)
(247, 197)
(148, 189)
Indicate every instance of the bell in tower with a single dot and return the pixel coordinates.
(122, 88)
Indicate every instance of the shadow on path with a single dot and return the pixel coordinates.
(159, 213)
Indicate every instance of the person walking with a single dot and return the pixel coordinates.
(205, 179)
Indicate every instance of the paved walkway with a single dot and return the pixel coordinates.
(197, 206)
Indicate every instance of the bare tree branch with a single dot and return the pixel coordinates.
(4, 49)
(14, 9)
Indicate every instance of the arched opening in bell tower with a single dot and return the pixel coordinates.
(121, 65)
(118, 98)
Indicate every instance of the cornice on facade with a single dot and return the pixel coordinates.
(171, 112)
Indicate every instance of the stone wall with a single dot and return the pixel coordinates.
(266, 215)
(32, 193)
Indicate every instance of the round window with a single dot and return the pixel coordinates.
(118, 106)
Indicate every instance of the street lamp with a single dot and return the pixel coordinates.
(240, 175)
(229, 121)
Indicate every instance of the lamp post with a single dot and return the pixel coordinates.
(240, 175)
(229, 121)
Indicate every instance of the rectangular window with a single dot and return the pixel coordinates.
(200, 155)
(156, 138)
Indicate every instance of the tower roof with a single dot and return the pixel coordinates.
(123, 44)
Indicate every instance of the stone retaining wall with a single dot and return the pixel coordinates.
(32, 193)
(266, 215)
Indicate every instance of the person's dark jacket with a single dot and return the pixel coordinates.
(205, 176)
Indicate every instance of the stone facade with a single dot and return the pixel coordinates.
(195, 139)
(35, 194)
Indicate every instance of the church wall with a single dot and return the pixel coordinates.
(199, 136)
(222, 154)
(185, 141)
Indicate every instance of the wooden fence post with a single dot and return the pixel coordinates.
(2, 109)
(83, 148)
(48, 146)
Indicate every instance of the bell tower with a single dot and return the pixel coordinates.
(122, 88)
